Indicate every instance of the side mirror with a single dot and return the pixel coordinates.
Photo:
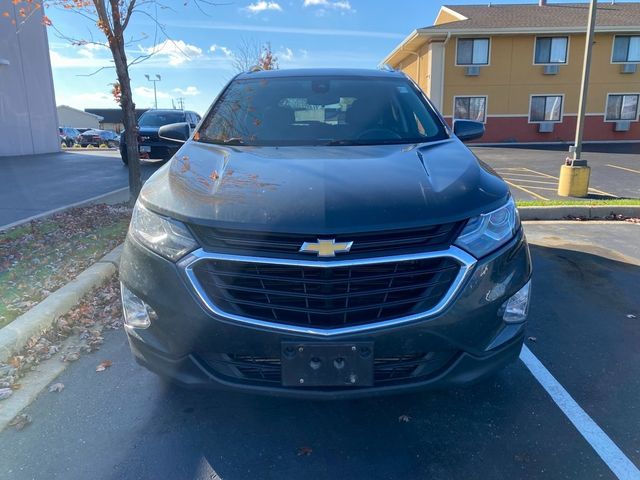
(467, 130)
(175, 132)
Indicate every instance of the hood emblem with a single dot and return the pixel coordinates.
(325, 247)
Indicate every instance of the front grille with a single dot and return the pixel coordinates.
(323, 296)
(434, 237)
(386, 368)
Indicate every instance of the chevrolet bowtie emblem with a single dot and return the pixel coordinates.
(326, 248)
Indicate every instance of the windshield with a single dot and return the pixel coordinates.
(158, 119)
(321, 111)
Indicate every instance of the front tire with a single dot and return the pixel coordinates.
(123, 156)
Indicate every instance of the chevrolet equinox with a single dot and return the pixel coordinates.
(324, 233)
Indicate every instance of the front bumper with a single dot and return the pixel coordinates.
(464, 343)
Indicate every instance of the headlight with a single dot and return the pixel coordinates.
(489, 231)
(163, 235)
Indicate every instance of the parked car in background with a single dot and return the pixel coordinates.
(150, 145)
(99, 137)
(68, 135)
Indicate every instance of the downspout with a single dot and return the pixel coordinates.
(444, 45)
(417, 61)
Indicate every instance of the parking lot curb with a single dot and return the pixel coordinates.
(562, 212)
(15, 335)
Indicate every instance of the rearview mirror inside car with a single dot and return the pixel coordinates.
(175, 132)
(467, 130)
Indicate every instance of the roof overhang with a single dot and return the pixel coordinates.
(416, 39)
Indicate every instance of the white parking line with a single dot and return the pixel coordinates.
(608, 451)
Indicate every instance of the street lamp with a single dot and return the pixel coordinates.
(574, 175)
(155, 95)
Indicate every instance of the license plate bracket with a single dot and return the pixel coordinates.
(341, 364)
(145, 149)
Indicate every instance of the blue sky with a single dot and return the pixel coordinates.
(197, 61)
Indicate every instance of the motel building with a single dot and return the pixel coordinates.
(518, 69)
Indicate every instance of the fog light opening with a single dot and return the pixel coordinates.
(137, 313)
(516, 308)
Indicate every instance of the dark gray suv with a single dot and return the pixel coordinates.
(324, 233)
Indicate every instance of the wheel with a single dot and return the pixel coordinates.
(69, 143)
(110, 144)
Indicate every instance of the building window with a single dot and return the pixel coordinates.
(550, 50)
(626, 48)
(473, 51)
(470, 108)
(545, 108)
(622, 107)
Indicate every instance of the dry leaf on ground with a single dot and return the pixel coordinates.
(104, 365)
(56, 387)
(20, 421)
(5, 393)
(304, 451)
(404, 419)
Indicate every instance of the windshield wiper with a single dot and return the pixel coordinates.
(342, 142)
(232, 141)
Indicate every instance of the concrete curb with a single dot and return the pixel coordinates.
(14, 336)
(561, 212)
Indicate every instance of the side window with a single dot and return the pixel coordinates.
(551, 50)
(545, 108)
(470, 108)
(626, 48)
(472, 51)
(622, 107)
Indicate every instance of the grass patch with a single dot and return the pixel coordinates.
(39, 257)
(572, 203)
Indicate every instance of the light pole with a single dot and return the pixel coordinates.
(574, 175)
(155, 95)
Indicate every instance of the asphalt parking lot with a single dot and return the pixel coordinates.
(579, 420)
(532, 173)
(34, 184)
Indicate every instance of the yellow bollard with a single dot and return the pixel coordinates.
(574, 181)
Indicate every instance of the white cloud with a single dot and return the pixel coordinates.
(336, 4)
(176, 52)
(286, 54)
(147, 93)
(262, 6)
(190, 91)
(85, 60)
(219, 48)
(86, 100)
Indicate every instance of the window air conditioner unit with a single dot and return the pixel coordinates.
(628, 68)
(551, 69)
(545, 127)
(472, 71)
(622, 126)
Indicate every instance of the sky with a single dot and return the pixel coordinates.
(194, 54)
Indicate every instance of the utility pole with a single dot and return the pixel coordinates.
(155, 94)
(574, 175)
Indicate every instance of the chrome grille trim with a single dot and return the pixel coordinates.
(466, 261)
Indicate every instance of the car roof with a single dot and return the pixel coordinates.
(165, 110)
(322, 72)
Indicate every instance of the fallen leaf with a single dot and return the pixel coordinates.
(532, 339)
(104, 365)
(631, 315)
(56, 387)
(404, 419)
(71, 357)
(304, 451)
(5, 393)
(20, 421)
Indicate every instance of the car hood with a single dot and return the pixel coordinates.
(324, 190)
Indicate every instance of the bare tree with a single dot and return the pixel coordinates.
(250, 54)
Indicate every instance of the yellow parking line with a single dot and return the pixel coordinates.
(543, 188)
(518, 174)
(531, 181)
(591, 189)
(623, 168)
(540, 173)
(540, 197)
